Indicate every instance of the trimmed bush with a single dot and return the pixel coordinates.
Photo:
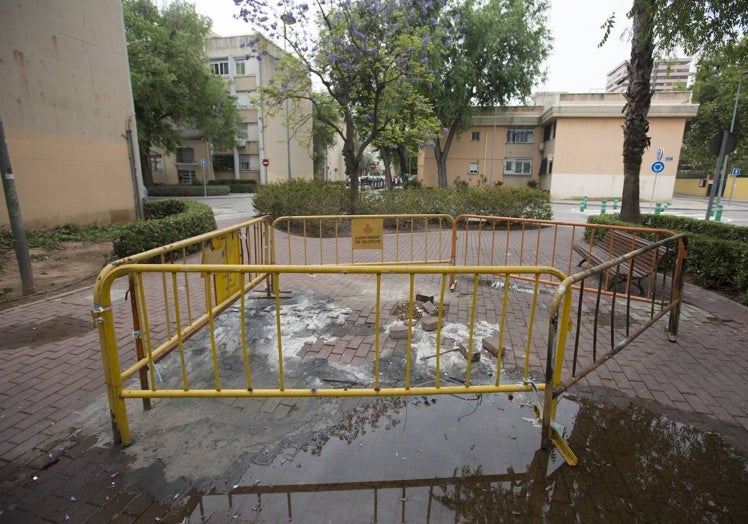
(181, 190)
(167, 221)
(504, 201)
(236, 186)
(302, 197)
(315, 197)
(717, 252)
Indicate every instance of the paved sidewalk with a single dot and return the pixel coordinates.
(52, 373)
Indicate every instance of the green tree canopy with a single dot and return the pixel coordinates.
(368, 57)
(715, 89)
(491, 53)
(173, 88)
(661, 26)
(323, 134)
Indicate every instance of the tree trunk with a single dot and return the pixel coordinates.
(145, 166)
(638, 100)
(402, 156)
(352, 165)
(387, 169)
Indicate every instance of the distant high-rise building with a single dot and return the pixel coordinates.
(666, 75)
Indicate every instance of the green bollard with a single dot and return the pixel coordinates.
(615, 204)
(658, 208)
(583, 204)
(718, 216)
(602, 207)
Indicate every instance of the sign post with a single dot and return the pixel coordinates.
(205, 183)
(657, 168)
(735, 175)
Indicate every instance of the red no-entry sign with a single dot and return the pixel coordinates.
(265, 162)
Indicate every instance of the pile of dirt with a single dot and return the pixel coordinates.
(74, 264)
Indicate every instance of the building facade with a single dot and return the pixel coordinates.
(66, 105)
(568, 144)
(667, 75)
(261, 138)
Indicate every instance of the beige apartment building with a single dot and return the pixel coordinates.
(66, 105)
(261, 136)
(667, 75)
(569, 144)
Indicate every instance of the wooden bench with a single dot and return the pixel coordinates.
(616, 243)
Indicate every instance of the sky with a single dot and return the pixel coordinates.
(576, 65)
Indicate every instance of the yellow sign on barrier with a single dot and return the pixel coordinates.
(226, 250)
(366, 233)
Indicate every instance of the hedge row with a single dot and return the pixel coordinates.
(166, 221)
(236, 186)
(300, 197)
(193, 191)
(717, 253)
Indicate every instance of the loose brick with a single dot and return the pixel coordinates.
(464, 352)
(429, 323)
(399, 332)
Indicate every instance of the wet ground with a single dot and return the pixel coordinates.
(417, 459)
(473, 459)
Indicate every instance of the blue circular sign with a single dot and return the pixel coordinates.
(658, 167)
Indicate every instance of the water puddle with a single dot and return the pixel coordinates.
(477, 459)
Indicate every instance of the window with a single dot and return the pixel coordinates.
(249, 162)
(220, 67)
(473, 168)
(517, 166)
(549, 132)
(253, 132)
(157, 162)
(243, 101)
(185, 155)
(243, 130)
(239, 69)
(223, 163)
(475, 136)
(520, 135)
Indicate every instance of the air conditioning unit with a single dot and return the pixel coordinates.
(241, 143)
(541, 146)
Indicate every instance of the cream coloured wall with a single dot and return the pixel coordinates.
(66, 103)
(588, 158)
(585, 152)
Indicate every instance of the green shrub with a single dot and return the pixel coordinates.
(194, 190)
(517, 202)
(302, 197)
(236, 186)
(167, 221)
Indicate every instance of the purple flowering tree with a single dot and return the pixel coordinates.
(370, 56)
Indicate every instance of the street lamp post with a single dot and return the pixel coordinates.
(288, 19)
(722, 170)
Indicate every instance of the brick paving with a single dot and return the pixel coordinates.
(52, 371)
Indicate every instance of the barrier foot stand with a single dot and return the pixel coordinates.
(562, 446)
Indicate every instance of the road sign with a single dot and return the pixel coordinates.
(203, 162)
(658, 167)
(372, 166)
(660, 152)
(265, 162)
(735, 171)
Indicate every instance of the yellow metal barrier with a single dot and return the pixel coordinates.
(186, 307)
(462, 323)
(489, 240)
(362, 239)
